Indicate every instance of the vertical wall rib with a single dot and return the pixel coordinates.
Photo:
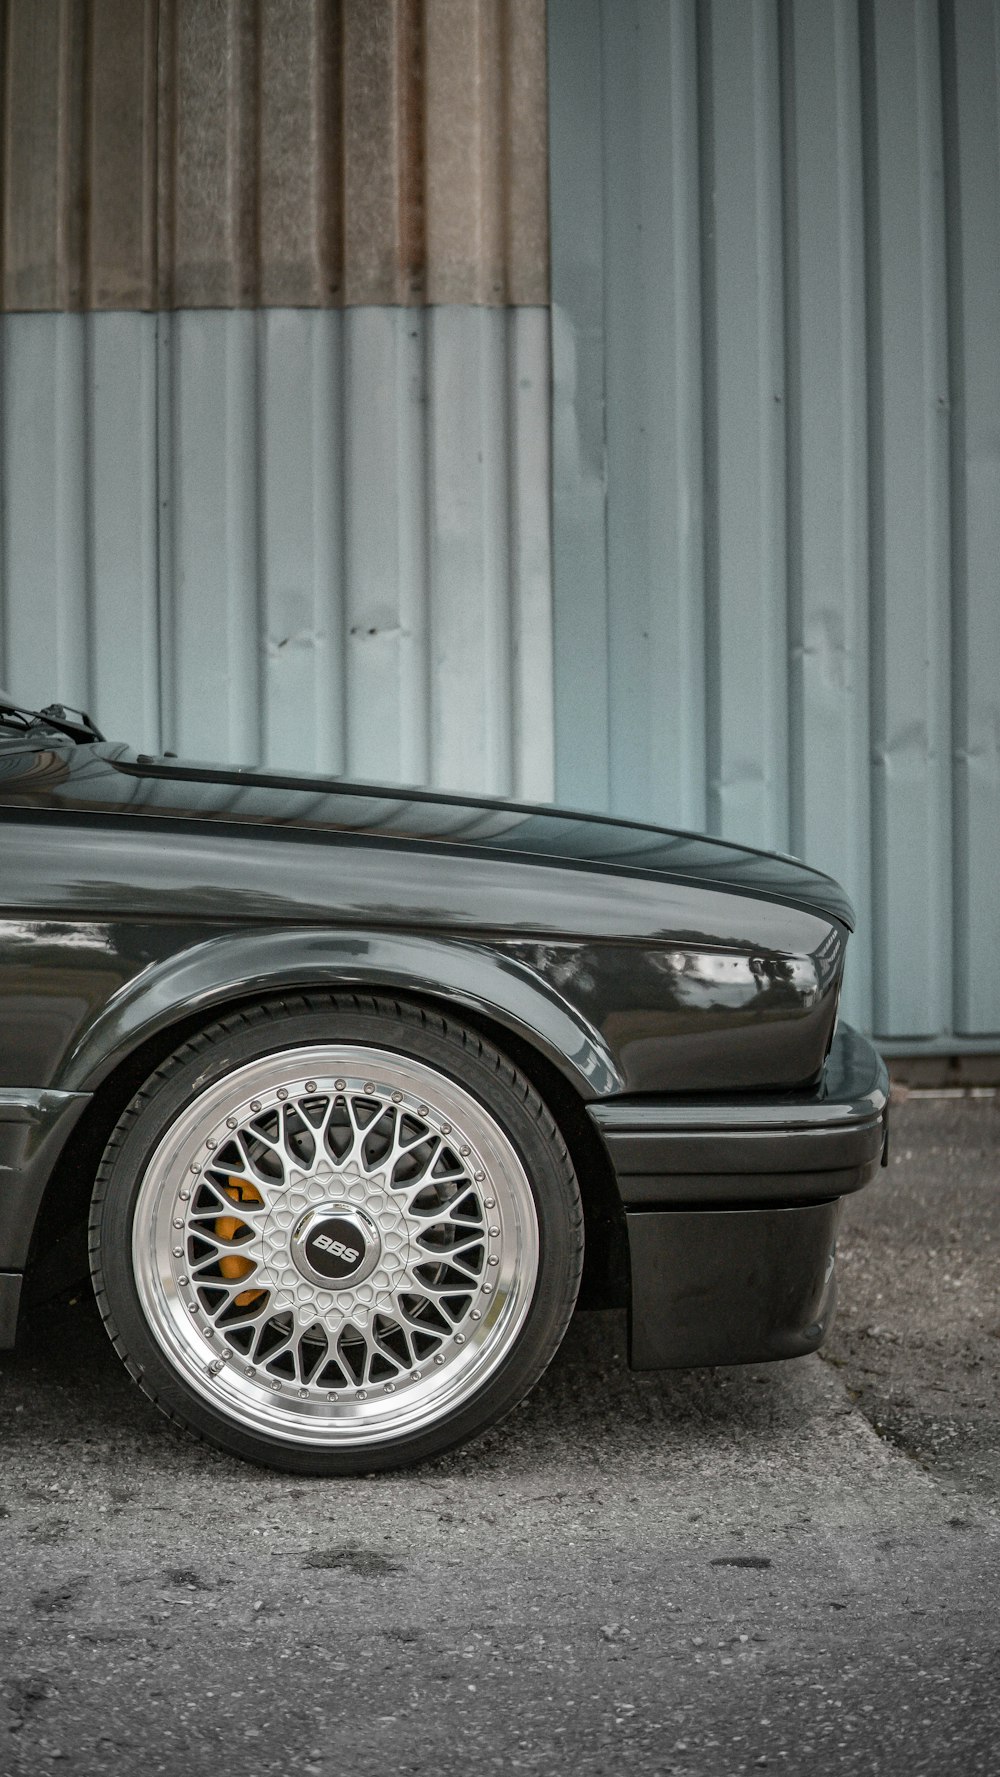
(971, 44)
(827, 504)
(787, 310)
(577, 160)
(298, 153)
(311, 538)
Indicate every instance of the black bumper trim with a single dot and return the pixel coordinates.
(730, 1286)
(805, 1147)
(34, 1127)
(10, 1299)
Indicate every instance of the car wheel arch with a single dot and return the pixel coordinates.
(63, 1204)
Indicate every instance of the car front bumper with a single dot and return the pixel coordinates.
(732, 1206)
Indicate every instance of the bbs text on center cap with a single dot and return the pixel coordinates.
(335, 1247)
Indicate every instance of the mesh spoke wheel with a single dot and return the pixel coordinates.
(334, 1247)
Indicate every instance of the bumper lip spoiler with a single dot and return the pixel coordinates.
(765, 1150)
(853, 1091)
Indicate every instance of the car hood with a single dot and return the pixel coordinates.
(115, 780)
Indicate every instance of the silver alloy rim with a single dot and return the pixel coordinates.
(335, 1245)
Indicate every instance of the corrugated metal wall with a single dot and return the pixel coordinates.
(280, 491)
(314, 538)
(292, 153)
(776, 355)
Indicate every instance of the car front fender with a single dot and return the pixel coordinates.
(220, 970)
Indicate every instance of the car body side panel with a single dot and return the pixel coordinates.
(676, 987)
(202, 977)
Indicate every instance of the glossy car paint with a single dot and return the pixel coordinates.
(647, 967)
(640, 961)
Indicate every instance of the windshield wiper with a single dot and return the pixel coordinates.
(75, 724)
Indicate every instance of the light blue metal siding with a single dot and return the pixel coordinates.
(972, 112)
(827, 478)
(314, 538)
(776, 434)
(909, 517)
(579, 475)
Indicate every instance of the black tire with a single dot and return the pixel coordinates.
(141, 1180)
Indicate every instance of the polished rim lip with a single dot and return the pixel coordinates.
(345, 1424)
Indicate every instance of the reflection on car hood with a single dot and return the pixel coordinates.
(116, 781)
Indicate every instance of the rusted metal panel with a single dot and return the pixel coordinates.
(119, 262)
(300, 201)
(486, 216)
(384, 246)
(306, 153)
(43, 169)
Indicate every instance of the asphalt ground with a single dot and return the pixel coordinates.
(790, 1568)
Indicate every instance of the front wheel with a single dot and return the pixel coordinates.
(336, 1234)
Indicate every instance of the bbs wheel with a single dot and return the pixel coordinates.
(336, 1234)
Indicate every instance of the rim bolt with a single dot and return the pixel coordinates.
(182, 1281)
(489, 1203)
(487, 1289)
(303, 1394)
(250, 1371)
(340, 1085)
(493, 1260)
(390, 1388)
(310, 1085)
(438, 1359)
(184, 1195)
(230, 1122)
(476, 1315)
(397, 1098)
(276, 1386)
(177, 1222)
(493, 1233)
(282, 1091)
(210, 1141)
(195, 1167)
(178, 1252)
(422, 1110)
(459, 1338)
(331, 1397)
(415, 1376)
(446, 1129)
(192, 1307)
(362, 1395)
(465, 1152)
(479, 1177)
(255, 1104)
(369, 1085)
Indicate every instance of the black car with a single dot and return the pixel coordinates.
(360, 1090)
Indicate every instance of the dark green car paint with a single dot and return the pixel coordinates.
(643, 967)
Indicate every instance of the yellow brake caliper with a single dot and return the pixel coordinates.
(232, 1265)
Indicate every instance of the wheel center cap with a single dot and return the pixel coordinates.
(335, 1245)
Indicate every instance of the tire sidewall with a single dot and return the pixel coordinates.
(450, 1049)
